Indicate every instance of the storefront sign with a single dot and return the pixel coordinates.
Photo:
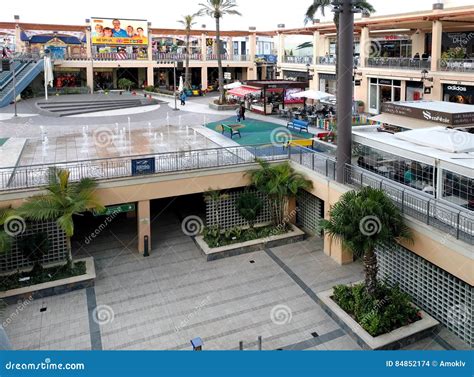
(143, 166)
(448, 119)
(458, 89)
(115, 210)
(108, 31)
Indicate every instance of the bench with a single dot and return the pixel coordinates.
(230, 128)
(297, 124)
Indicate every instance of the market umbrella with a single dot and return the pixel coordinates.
(181, 84)
(313, 94)
(48, 75)
(233, 85)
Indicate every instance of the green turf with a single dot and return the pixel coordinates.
(256, 131)
(3, 141)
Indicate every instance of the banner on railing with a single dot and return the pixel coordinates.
(108, 31)
(143, 166)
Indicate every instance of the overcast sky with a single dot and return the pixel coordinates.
(264, 14)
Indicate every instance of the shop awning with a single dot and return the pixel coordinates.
(242, 91)
(401, 121)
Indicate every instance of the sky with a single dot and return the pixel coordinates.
(264, 14)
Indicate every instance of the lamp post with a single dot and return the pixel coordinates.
(174, 86)
(14, 86)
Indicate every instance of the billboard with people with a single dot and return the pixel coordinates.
(119, 31)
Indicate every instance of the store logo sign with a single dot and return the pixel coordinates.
(435, 118)
(457, 88)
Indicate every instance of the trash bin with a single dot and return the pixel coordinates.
(197, 344)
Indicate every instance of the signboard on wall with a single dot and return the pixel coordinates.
(115, 31)
(143, 166)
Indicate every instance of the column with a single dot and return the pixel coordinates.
(252, 46)
(88, 42)
(204, 78)
(150, 45)
(436, 44)
(144, 228)
(316, 42)
(150, 76)
(18, 43)
(252, 73)
(417, 43)
(314, 84)
(90, 76)
(204, 48)
(365, 45)
(281, 47)
(230, 48)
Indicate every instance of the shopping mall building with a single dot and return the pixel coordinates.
(425, 55)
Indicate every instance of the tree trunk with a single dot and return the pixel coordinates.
(187, 81)
(219, 62)
(370, 266)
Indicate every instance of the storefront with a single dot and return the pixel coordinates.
(299, 76)
(414, 91)
(381, 91)
(327, 83)
(458, 93)
(392, 46)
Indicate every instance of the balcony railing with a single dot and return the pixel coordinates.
(325, 60)
(227, 57)
(398, 63)
(456, 65)
(171, 57)
(298, 59)
(457, 223)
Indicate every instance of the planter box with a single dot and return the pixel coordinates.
(214, 106)
(52, 288)
(395, 339)
(295, 235)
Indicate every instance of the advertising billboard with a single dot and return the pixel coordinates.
(119, 31)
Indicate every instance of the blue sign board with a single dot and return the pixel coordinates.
(143, 166)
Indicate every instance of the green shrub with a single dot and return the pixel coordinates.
(249, 207)
(378, 314)
(150, 88)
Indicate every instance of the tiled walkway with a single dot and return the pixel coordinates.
(163, 301)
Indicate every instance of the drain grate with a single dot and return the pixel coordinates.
(252, 261)
(314, 334)
(42, 310)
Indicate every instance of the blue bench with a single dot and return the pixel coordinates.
(232, 128)
(298, 124)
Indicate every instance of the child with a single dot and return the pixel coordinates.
(183, 98)
(238, 112)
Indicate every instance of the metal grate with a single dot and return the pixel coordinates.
(310, 212)
(445, 297)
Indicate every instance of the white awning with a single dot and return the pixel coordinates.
(313, 94)
(401, 121)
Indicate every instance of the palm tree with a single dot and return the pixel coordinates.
(62, 201)
(364, 220)
(280, 183)
(188, 22)
(322, 5)
(5, 238)
(217, 9)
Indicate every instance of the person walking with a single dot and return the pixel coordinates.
(242, 111)
(238, 113)
(182, 97)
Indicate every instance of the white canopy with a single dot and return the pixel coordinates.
(233, 85)
(48, 75)
(313, 94)
(181, 84)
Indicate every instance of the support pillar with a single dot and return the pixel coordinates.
(204, 79)
(150, 76)
(144, 227)
(204, 47)
(417, 43)
(19, 45)
(90, 76)
(365, 45)
(437, 34)
(281, 47)
(345, 67)
(316, 37)
(149, 51)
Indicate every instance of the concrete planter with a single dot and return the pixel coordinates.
(52, 288)
(395, 339)
(295, 235)
(214, 106)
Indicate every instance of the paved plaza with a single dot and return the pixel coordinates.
(163, 301)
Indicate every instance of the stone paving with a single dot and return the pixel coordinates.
(163, 301)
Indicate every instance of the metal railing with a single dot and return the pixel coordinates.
(33, 176)
(456, 65)
(298, 59)
(170, 57)
(398, 63)
(325, 60)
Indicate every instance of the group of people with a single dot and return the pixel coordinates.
(117, 32)
(67, 80)
(425, 57)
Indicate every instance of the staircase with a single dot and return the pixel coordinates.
(25, 72)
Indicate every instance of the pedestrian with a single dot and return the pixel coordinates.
(242, 111)
(182, 97)
(239, 113)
